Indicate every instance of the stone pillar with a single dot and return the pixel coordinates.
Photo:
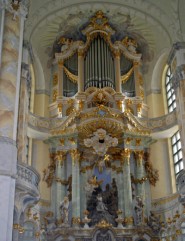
(117, 72)
(22, 138)
(121, 187)
(83, 198)
(60, 78)
(140, 175)
(60, 180)
(75, 155)
(11, 56)
(2, 18)
(138, 90)
(80, 72)
(127, 188)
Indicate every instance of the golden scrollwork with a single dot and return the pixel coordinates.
(55, 79)
(138, 142)
(153, 174)
(60, 107)
(60, 157)
(126, 76)
(55, 94)
(119, 104)
(72, 77)
(104, 224)
(18, 227)
(63, 182)
(129, 220)
(75, 220)
(139, 180)
(139, 155)
(125, 154)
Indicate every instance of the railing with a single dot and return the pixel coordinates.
(155, 124)
(27, 177)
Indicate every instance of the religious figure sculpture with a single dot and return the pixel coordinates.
(139, 210)
(154, 222)
(100, 205)
(64, 210)
(101, 142)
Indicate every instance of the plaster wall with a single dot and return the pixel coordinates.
(41, 104)
(156, 105)
(40, 160)
(159, 156)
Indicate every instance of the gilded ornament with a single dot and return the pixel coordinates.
(55, 94)
(129, 220)
(119, 104)
(72, 77)
(138, 142)
(60, 108)
(126, 76)
(76, 220)
(103, 224)
(62, 141)
(72, 141)
(55, 79)
(75, 155)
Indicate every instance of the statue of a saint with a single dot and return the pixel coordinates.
(139, 210)
(100, 205)
(64, 210)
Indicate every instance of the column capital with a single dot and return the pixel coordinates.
(116, 54)
(60, 64)
(139, 157)
(125, 154)
(60, 157)
(16, 8)
(75, 155)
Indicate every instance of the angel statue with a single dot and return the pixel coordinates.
(64, 210)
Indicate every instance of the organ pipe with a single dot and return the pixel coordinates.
(99, 65)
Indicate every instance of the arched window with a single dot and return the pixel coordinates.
(175, 139)
(170, 94)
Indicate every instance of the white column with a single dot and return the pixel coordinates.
(117, 72)
(80, 72)
(60, 78)
(11, 58)
(75, 188)
(127, 188)
(2, 15)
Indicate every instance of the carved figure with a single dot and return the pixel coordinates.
(139, 210)
(50, 222)
(154, 222)
(100, 205)
(101, 142)
(64, 210)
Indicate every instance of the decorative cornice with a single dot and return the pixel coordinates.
(178, 76)
(175, 47)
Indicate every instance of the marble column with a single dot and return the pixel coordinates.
(75, 155)
(83, 198)
(80, 72)
(127, 188)
(11, 57)
(22, 138)
(117, 72)
(136, 77)
(2, 18)
(60, 176)
(60, 78)
(140, 175)
(120, 184)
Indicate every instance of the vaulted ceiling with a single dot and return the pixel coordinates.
(157, 23)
